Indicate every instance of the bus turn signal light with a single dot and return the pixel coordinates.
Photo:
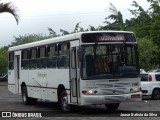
(84, 91)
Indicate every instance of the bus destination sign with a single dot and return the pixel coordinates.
(108, 37)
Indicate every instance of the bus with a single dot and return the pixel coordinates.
(85, 68)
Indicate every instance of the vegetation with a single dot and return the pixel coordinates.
(145, 24)
(10, 8)
(3, 60)
(3, 83)
(28, 38)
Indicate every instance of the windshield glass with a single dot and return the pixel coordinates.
(109, 61)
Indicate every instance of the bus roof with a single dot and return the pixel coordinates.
(64, 38)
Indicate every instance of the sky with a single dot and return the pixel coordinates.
(37, 15)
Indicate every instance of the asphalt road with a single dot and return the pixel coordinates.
(147, 109)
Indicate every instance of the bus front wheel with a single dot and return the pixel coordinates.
(27, 100)
(112, 107)
(65, 107)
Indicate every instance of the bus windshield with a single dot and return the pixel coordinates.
(109, 61)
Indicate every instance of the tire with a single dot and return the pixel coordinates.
(112, 107)
(65, 107)
(25, 99)
(156, 94)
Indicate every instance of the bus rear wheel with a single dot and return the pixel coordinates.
(25, 99)
(65, 107)
(112, 107)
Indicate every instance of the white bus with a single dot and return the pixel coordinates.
(86, 68)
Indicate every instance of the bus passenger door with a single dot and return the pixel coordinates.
(17, 72)
(73, 76)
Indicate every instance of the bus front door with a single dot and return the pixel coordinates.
(73, 76)
(17, 72)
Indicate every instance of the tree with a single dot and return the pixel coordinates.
(147, 53)
(64, 32)
(117, 18)
(155, 25)
(141, 23)
(3, 57)
(52, 33)
(28, 39)
(146, 25)
(10, 8)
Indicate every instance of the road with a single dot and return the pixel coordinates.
(48, 110)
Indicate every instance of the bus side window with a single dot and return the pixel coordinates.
(63, 59)
(33, 58)
(24, 59)
(11, 60)
(52, 56)
(41, 57)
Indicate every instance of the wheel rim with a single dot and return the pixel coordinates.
(157, 94)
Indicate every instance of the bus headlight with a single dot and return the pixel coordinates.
(89, 92)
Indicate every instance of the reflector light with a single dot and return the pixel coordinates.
(135, 96)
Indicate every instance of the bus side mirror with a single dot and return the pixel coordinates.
(80, 54)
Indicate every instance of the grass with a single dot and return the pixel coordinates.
(3, 83)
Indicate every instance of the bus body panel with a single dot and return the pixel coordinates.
(43, 84)
(11, 81)
(55, 78)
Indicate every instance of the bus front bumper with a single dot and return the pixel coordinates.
(105, 99)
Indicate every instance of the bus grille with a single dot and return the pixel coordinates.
(114, 89)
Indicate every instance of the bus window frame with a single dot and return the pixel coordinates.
(25, 59)
(31, 59)
(52, 58)
(11, 60)
(41, 60)
(61, 56)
